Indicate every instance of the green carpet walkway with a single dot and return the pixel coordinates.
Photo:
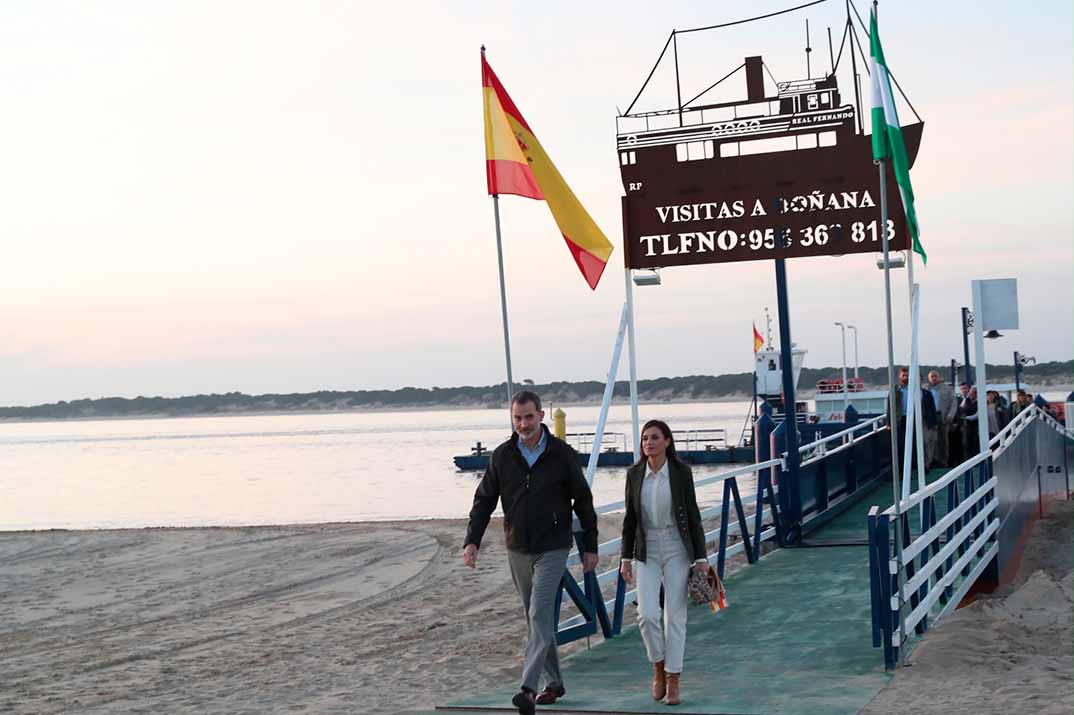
(795, 639)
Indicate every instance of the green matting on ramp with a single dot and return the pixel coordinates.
(796, 638)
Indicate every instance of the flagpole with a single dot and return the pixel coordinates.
(503, 297)
(919, 442)
(636, 431)
(892, 396)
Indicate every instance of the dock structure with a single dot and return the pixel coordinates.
(812, 625)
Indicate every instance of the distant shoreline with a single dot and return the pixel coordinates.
(1054, 378)
(1060, 390)
(367, 410)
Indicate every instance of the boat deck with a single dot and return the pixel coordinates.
(795, 638)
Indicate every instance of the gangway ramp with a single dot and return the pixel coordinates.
(796, 638)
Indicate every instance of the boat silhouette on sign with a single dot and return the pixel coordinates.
(773, 175)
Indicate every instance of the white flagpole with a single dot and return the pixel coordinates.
(892, 396)
(915, 374)
(503, 299)
(633, 367)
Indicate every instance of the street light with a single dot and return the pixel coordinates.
(851, 327)
(843, 328)
(1021, 361)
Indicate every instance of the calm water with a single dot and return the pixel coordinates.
(277, 469)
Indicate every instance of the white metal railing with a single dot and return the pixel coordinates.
(978, 523)
(818, 449)
(699, 440)
(584, 441)
(613, 546)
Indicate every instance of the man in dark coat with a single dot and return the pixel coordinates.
(537, 479)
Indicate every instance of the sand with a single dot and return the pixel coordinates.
(358, 618)
(384, 618)
(1007, 653)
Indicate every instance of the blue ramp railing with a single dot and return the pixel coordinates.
(845, 462)
(965, 518)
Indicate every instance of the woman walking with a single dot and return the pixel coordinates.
(662, 539)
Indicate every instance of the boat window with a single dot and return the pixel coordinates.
(729, 149)
(772, 365)
(763, 146)
(812, 102)
(626, 158)
(692, 151)
(753, 109)
(717, 114)
(825, 98)
(827, 138)
(807, 141)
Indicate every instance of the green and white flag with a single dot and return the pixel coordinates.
(887, 133)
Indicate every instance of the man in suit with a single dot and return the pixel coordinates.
(942, 396)
(537, 479)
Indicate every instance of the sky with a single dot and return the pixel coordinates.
(285, 197)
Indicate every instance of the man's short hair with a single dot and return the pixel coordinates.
(963, 384)
(525, 396)
(903, 368)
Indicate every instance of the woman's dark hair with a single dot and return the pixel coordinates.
(666, 431)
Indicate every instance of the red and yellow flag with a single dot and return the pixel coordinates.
(516, 163)
(758, 340)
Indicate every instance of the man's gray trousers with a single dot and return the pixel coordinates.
(537, 578)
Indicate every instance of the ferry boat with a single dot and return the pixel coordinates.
(742, 143)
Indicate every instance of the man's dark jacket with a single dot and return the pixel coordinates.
(536, 500)
(683, 507)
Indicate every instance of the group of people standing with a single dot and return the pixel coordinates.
(537, 480)
(949, 419)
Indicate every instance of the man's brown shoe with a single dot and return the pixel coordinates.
(673, 689)
(550, 694)
(660, 686)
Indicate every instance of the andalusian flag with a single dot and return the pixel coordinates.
(887, 133)
(758, 340)
(515, 163)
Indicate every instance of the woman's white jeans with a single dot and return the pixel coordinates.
(666, 562)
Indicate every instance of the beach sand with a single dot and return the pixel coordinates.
(384, 618)
(1006, 653)
(358, 618)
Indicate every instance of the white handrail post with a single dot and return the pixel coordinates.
(606, 401)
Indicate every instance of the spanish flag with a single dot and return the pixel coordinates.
(758, 340)
(516, 163)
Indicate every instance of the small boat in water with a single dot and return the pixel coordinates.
(699, 446)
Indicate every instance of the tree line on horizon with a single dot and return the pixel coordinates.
(689, 387)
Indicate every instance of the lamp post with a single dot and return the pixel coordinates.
(843, 329)
(1020, 361)
(855, 329)
(967, 328)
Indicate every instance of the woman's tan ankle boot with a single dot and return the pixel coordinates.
(660, 686)
(672, 688)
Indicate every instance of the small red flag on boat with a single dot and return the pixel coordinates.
(758, 341)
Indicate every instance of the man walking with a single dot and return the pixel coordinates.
(943, 397)
(537, 479)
